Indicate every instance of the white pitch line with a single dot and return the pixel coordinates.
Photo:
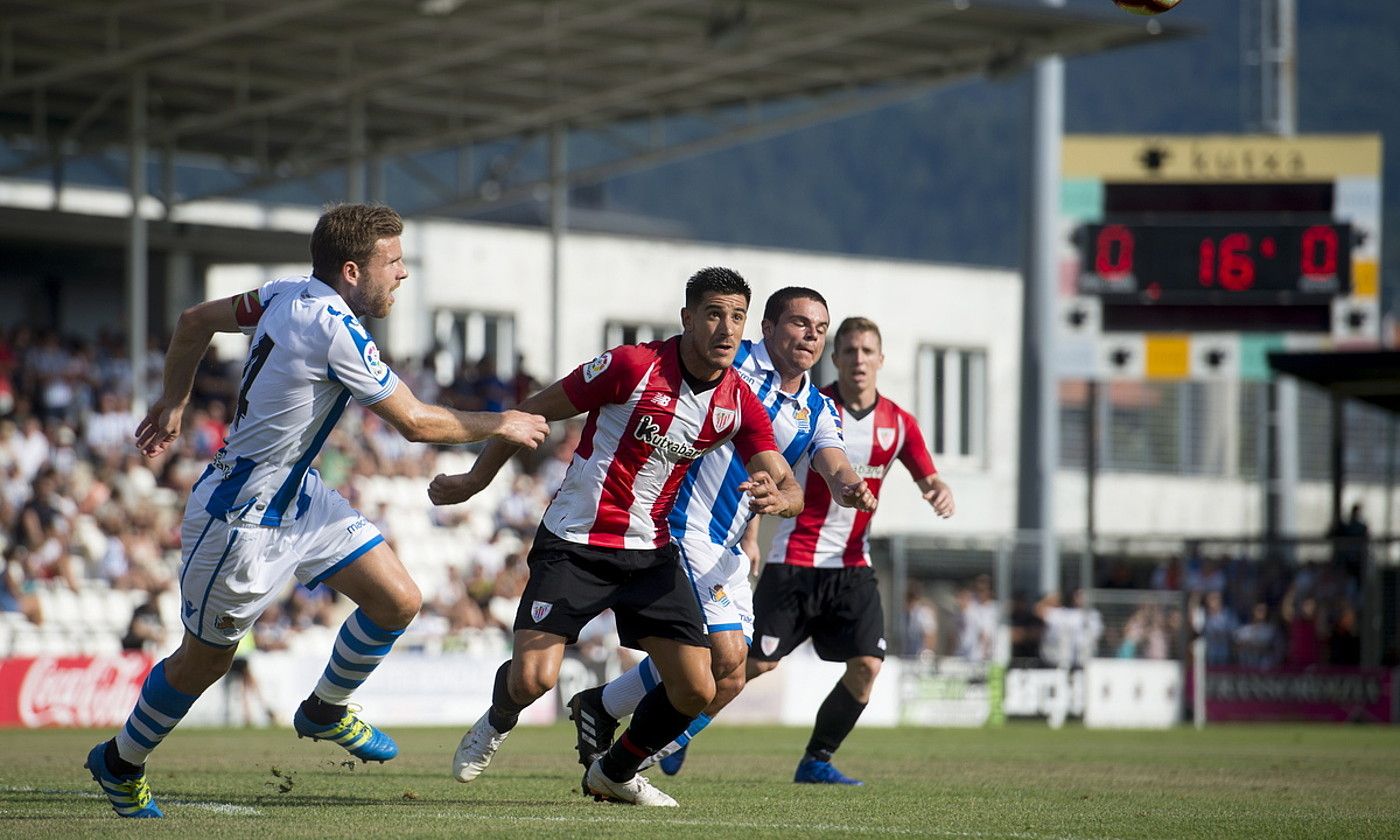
(216, 807)
(778, 826)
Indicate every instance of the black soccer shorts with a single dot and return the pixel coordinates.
(838, 609)
(646, 589)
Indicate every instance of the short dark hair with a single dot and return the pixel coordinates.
(857, 324)
(715, 280)
(778, 301)
(348, 233)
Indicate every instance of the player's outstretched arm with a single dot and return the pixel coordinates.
(847, 488)
(774, 490)
(550, 404)
(938, 494)
(423, 423)
(193, 332)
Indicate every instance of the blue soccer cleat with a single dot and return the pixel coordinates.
(359, 738)
(813, 772)
(130, 795)
(671, 764)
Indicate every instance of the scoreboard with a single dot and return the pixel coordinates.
(1254, 240)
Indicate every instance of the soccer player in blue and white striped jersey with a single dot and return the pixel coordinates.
(259, 515)
(711, 514)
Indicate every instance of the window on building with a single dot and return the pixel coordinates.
(467, 337)
(952, 405)
(628, 332)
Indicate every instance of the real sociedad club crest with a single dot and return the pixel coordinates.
(723, 419)
(885, 437)
(540, 609)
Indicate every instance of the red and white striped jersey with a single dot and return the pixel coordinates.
(645, 425)
(827, 535)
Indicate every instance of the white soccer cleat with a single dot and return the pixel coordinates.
(476, 749)
(635, 791)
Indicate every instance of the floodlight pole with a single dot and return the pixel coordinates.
(137, 282)
(558, 222)
(1040, 418)
(1279, 115)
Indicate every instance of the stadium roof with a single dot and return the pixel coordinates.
(1371, 376)
(283, 89)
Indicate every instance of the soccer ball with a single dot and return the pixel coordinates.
(1146, 7)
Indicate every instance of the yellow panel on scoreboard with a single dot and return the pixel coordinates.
(1168, 356)
(1364, 280)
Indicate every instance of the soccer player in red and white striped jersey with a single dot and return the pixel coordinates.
(818, 582)
(605, 543)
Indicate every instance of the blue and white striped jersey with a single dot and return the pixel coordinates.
(709, 503)
(309, 356)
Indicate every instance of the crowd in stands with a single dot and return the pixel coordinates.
(89, 529)
(83, 514)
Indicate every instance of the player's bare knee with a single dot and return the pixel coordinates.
(864, 669)
(725, 660)
(758, 667)
(530, 684)
(728, 687)
(691, 699)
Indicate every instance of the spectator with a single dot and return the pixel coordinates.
(920, 623)
(16, 589)
(1218, 625)
(1026, 628)
(1259, 644)
(145, 633)
(1304, 639)
(1072, 633)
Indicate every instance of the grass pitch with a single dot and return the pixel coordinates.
(1022, 781)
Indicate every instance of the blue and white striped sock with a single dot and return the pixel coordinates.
(159, 708)
(701, 721)
(621, 696)
(359, 648)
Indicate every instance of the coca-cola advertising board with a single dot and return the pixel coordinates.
(70, 690)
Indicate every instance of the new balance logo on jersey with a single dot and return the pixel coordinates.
(661, 400)
(649, 432)
(189, 609)
(539, 610)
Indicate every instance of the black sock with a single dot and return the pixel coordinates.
(320, 712)
(116, 765)
(504, 711)
(655, 724)
(835, 720)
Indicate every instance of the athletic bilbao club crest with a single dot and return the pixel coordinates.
(768, 644)
(594, 369)
(723, 418)
(885, 437)
(540, 609)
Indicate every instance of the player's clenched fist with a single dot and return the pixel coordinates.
(522, 428)
(763, 491)
(451, 489)
(857, 495)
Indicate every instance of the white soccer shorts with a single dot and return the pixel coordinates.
(720, 577)
(233, 570)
